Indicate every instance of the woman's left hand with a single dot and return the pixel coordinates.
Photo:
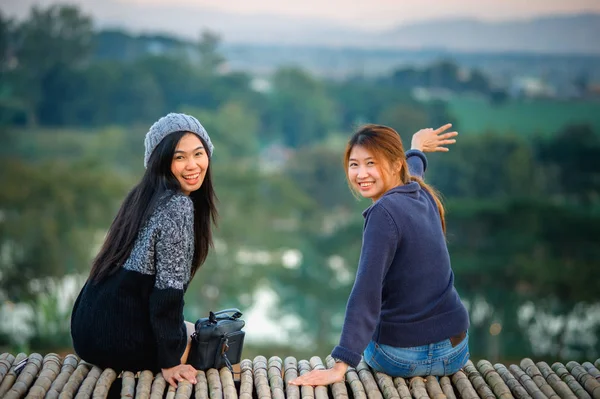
(430, 140)
(322, 377)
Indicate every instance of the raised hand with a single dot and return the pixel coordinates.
(179, 373)
(430, 140)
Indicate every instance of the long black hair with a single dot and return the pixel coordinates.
(142, 201)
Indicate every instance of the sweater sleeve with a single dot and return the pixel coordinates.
(380, 240)
(417, 162)
(172, 274)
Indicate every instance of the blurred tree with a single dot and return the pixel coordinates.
(259, 215)
(58, 37)
(318, 171)
(570, 162)
(234, 129)
(405, 119)
(53, 215)
(365, 101)
(300, 110)
(442, 74)
(7, 31)
(210, 59)
(173, 77)
(487, 166)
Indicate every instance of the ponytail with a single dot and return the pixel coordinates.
(436, 197)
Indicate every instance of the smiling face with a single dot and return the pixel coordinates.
(190, 163)
(368, 175)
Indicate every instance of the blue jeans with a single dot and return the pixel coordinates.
(433, 359)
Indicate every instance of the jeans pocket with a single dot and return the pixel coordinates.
(456, 361)
(393, 365)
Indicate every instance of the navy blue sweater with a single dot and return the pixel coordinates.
(404, 293)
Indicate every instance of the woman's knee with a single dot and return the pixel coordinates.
(191, 328)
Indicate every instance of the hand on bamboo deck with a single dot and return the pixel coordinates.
(322, 377)
(430, 140)
(179, 373)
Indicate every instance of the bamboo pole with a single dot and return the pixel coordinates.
(591, 385)
(144, 385)
(274, 373)
(158, 386)
(261, 379)
(306, 391)
(25, 378)
(127, 385)
(532, 371)
(417, 388)
(317, 364)
(590, 368)
(513, 384)
(87, 386)
(571, 381)
(215, 389)
(6, 361)
(229, 391)
(463, 386)
(171, 392)
(11, 376)
(447, 388)
(482, 388)
(526, 382)
(352, 378)
(290, 373)
(103, 384)
(184, 390)
(201, 388)
(338, 389)
(496, 383)
(50, 369)
(68, 367)
(402, 388)
(386, 385)
(433, 388)
(75, 380)
(555, 382)
(246, 380)
(368, 381)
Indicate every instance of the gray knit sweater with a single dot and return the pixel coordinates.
(134, 319)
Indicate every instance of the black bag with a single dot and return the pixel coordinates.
(218, 340)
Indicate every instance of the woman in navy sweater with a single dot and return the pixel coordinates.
(404, 316)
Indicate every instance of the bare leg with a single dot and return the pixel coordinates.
(190, 330)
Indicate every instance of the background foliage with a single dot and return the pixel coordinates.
(521, 187)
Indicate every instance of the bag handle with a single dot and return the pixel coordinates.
(236, 312)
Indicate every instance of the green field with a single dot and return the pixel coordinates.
(522, 116)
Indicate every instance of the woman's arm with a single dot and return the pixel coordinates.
(380, 240)
(173, 259)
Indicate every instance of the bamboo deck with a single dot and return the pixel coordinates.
(54, 377)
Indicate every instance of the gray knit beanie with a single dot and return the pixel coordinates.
(172, 123)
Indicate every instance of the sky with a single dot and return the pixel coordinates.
(394, 11)
(374, 14)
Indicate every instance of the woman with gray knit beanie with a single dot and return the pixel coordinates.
(129, 314)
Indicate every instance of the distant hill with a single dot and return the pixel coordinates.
(341, 62)
(575, 33)
(558, 34)
(552, 34)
